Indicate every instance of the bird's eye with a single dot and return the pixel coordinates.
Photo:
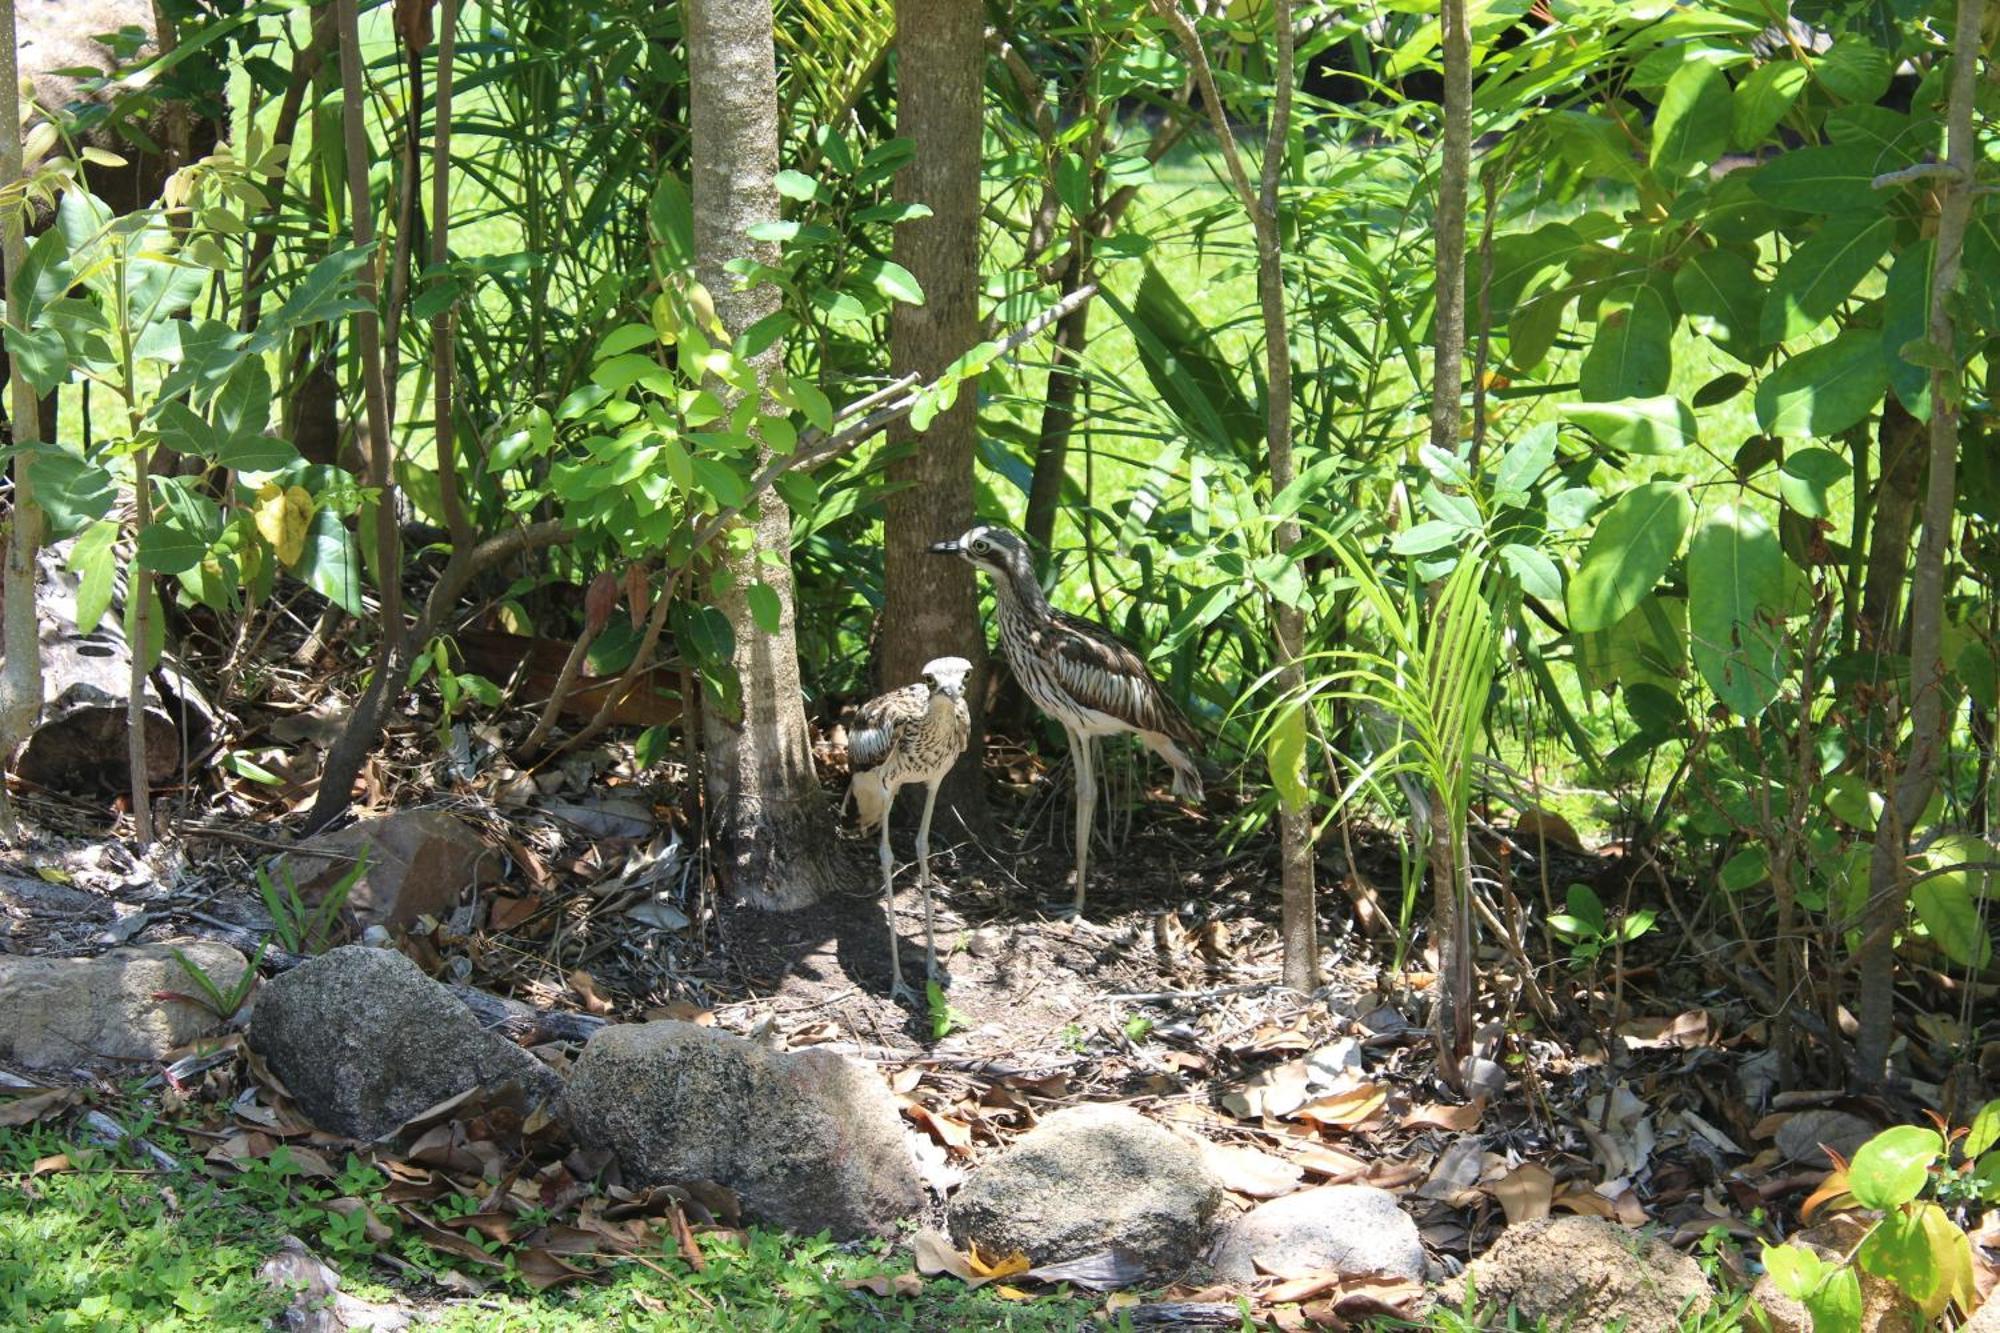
(981, 547)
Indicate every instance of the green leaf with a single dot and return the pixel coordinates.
(93, 558)
(1848, 798)
(1949, 903)
(331, 565)
(1762, 100)
(1890, 1169)
(1514, 478)
(765, 607)
(1825, 389)
(1823, 272)
(1691, 128)
(1661, 425)
(1537, 574)
(1808, 476)
(1835, 1306)
(618, 373)
(243, 407)
(42, 356)
(70, 491)
(257, 453)
(893, 281)
(1072, 181)
(1823, 180)
(1632, 354)
(624, 338)
(183, 430)
(1285, 758)
(167, 548)
(1985, 1130)
(1855, 69)
(1586, 907)
(45, 275)
(1718, 291)
(1736, 588)
(1795, 1270)
(1747, 869)
(1635, 541)
(719, 481)
(796, 184)
(1906, 319)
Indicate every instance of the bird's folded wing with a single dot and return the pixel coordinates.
(873, 734)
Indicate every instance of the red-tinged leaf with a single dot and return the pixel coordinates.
(598, 600)
(638, 592)
(586, 989)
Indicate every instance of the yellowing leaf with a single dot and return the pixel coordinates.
(283, 517)
(1344, 1108)
(1000, 1267)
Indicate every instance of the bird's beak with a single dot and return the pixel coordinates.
(952, 547)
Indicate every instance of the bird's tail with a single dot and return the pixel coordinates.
(871, 798)
(1187, 778)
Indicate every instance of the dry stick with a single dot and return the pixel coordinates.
(344, 761)
(21, 673)
(1929, 722)
(813, 449)
(1299, 919)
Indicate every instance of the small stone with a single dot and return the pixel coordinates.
(808, 1140)
(1086, 1179)
(1351, 1230)
(986, 942)
(364, 1041)
(60, 1012)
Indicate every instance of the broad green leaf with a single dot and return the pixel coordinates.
(1736, 589)
(45, 275)
(1719, 293)
(70, 491)
(1835, 1306)
(1631, 355)
(1807, 478)
(1898, 1249)
(1661, 425)
(617, 373)
(1849, 798)
(1948, 903)
(183, 430)
(1514, 478)
(765, 608)
(1890, 1169)
(1823, 272)
(1951, 1259)
(1747, 869)
(331, 565)
(892, 280)
(41, 355)
(1691, 128)
(167, 548)
(624, 338)
(720, 481)
(1906, 319)
(1537, 574)
(1635, 541)
(1823, 180)
(1825, 389)
(1762, 100)
(1285, 757)
(1855, 69)
(256, 453)
(1646, 647)
(1795, 1270)
(796, 184)
(94, 559)
(1985, 1130)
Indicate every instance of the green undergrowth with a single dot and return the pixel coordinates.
(106, 1240)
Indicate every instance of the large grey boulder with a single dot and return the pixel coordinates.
(59, 1012)
(1352, 1230)
(364, 1041)
(1589, 1272)
(808, 1140)
(1085, 1180)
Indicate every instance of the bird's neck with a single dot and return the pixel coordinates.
(1022, 594)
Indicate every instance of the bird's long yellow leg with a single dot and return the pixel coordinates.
(924, 879)
(1086, 806)
(888, 860)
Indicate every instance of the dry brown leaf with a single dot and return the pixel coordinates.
(1524, 1193)
(1344, 1109)
(1213, 942)
(1338, 1167)
(638, 592)
(1587, 1202)
(934, 1254)
(598, 600)
(1457, 1119)
(1830, 1192)
(1536, 825)
(510, 913)
(1685, 1031)
(1299, 1289)
(906, 1079)
(38, 1105)
(542, 1270)
(1250, 1172)
(904, 1285)
(372, 1226)
(953, 1134)
(50, 1165)
(585, 987)
(1277, 1091)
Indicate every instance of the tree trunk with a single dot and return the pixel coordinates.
(1058, 418)
(1452, 909)
(1929, 720)
(930, 606)
(21, 675)
(768, 820)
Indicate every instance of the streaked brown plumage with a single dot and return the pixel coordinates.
(1079, 673)
(913, 734)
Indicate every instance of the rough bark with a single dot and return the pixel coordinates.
(1299, 910)
(21, 675)
(930, 607)
(1453, 909)
(1929, 720)
(1900, 442)
(768, 819)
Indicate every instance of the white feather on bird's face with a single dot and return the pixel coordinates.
(946, 676)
